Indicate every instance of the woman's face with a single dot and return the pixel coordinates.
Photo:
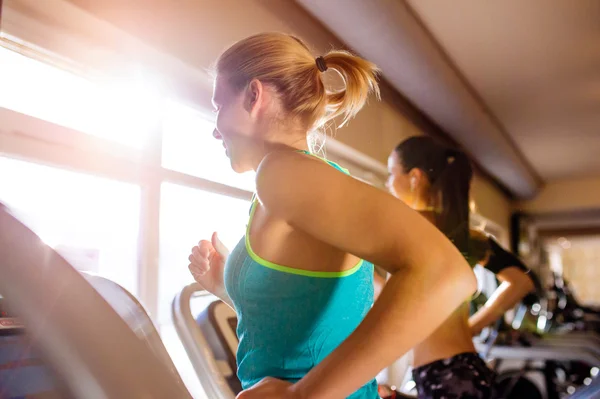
(398, 182)
(235, 125)
(412, 187)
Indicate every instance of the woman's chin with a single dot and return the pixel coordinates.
(237, 167)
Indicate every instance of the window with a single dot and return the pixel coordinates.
(186, 216)
(576, 260)
(181, 361)
(114, 110)
(177, 350)
(189, 147)
(91, 221)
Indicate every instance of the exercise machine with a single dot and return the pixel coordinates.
(209, 339)
(53, 318)
(561, 364)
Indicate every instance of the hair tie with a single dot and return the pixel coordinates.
(321, 65)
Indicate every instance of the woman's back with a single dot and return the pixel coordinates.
(435, 180)
(451, 338)
(296, 298)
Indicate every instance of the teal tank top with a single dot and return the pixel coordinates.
(289, 319)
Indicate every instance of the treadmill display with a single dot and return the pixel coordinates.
(23, 375)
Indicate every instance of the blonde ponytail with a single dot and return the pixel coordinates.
(360, 79)
(285, 62)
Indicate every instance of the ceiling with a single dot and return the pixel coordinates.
(388, 33)
(536, 65)
(515, 83)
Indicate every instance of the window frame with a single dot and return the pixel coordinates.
(68, 149)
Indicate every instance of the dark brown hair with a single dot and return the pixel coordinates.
(479, 246)
(449, 173)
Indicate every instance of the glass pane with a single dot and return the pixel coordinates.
(181, 361)
(178, 353)
(189, 147)
(187, 216)
(115, 111)
(91, 221)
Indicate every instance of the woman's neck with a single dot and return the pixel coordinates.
(429, 215)
(421, 204)
(269, 147)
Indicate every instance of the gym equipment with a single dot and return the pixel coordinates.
(563, 362)
(77, 337)
(550, 339)
(136, 317)
(591, 391)
(210, 341)
(565, 313)
(22, 372)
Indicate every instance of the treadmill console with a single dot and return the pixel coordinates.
(23, 374)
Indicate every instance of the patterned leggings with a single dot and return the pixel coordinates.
(464, 376)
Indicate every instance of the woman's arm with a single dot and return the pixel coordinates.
(430, 278)
(515, 285)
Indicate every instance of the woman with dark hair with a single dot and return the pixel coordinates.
(516, 279)
(434, 179)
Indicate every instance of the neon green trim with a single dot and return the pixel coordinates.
(337, 166)
(291, 270)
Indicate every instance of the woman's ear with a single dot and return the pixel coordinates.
(254, 97)
(415, 177)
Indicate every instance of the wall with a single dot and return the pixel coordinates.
(565, 195)
(491, 202)
(578, 259)
(197, 31)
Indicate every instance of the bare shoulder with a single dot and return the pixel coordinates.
(281, 165)
(288, 177)
(346, 213)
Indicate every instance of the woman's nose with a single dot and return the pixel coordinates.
(216, 134)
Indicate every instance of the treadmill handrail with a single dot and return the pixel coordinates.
(75, 330)
(196, 346)
(148, 332)
(570, 343)
(541, 352)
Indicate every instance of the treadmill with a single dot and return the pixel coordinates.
(540, 359)
(60, 338)
(209, 339)
(592, 391)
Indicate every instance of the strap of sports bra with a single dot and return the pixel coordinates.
(335, 165)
